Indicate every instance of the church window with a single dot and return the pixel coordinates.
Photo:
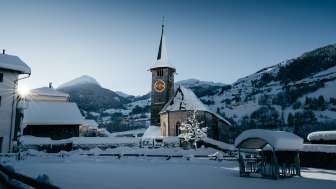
(160, 72)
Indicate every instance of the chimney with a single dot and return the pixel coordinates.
(50, 85)
(3, 51)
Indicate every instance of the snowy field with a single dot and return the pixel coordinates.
(78, 171)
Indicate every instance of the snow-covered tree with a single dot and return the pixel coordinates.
(190, 129)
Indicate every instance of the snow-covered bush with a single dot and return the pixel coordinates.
(191, 130)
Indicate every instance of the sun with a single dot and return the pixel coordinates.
(23, 90)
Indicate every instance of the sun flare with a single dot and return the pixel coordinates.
(23, 90)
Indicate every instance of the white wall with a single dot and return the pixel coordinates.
(7, 109)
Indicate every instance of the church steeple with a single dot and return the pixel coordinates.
(162, 56)
(162, 80)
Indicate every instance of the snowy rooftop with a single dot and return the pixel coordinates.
(162, 64)
(48, 91)
(322, 135)
(259, 138)
(52, 113)
(185, 99)
(10, 62)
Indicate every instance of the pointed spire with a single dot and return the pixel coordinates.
(160, 46)
(162, 56)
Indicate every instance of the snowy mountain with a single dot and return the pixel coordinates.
(297, 93)
(201, 88)
(122, 94)
(85, 79)
(90, 96)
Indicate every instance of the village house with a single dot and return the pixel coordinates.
(49, 113)
(10, 69)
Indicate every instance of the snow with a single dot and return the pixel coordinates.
(52, 113)
(328, 91)
(322, 135)
(78, 171)
(184, 99)
(47, 91)
(258, 138)
(82, 141)
(134, 132)
(32, 140)
(326, 148)
(219, 144)
(122, 94)
(195, 82)
(85, 79)
(152, 132)
(11, 62)
(90, 123)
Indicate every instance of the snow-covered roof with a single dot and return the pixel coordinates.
(52, 113)
(152, 132)
(259, 138)
(90, 123)
(322, 135)
(11, 62)
(185, 99)
(48, 91)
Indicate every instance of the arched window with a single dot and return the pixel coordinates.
(177, 128)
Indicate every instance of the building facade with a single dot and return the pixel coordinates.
(10, 69)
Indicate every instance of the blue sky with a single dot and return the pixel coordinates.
(116, 41)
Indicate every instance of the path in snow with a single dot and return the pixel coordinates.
(106, 173)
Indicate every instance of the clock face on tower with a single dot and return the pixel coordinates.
(159, 86)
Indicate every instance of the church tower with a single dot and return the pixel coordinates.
(162, 81)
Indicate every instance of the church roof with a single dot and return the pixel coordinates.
(10, 62)
(162, 57)
(186, 100)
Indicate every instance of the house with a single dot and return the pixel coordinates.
(11, 67)
(50, 114)
(169, 109)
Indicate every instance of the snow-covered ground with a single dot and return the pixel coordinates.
(79, 171)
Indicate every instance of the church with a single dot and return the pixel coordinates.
(169, 107)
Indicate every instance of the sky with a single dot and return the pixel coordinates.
(117, 41)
